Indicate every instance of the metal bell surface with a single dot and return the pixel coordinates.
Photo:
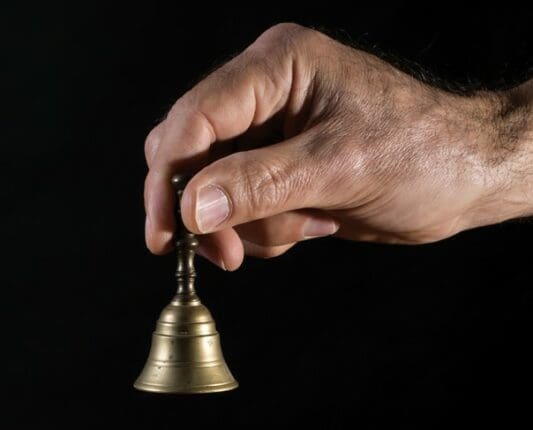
(185, 356)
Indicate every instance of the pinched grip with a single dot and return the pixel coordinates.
(186, 244)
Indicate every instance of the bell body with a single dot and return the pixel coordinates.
(185, 356)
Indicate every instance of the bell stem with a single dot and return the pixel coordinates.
(185, 243)
(185, 271)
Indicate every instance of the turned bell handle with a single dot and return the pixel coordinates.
(179, 181)
(186, 244)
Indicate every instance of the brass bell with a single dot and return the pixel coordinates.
(186, 356)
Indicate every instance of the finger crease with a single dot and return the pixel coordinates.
(209, 125)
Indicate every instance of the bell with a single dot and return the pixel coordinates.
(186, 356)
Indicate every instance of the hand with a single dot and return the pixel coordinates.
(300, 136)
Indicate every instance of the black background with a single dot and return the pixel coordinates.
(347, 334)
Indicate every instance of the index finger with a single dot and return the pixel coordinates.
(247, 91)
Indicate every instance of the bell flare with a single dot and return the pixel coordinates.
(185, 356)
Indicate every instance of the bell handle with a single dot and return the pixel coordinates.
(185, 244)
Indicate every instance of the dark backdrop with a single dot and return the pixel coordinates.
(343, 333)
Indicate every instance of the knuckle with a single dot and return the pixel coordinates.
(285, 31)
(284, 35)
(266, 185)
(200, 125)
(151, 144)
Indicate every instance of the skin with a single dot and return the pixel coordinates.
(307, 137)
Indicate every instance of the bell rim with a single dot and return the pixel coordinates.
(202, 389)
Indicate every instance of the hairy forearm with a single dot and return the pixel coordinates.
(509, 156)
(513, 119)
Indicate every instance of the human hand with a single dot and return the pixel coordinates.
(300, 136)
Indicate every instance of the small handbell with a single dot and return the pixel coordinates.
(186, 356)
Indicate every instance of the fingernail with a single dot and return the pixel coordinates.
(212, 208)
(222, 265)
(319, 227)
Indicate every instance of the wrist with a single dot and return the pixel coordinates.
(508, 156)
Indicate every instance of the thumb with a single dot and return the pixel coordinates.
(248, 186)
